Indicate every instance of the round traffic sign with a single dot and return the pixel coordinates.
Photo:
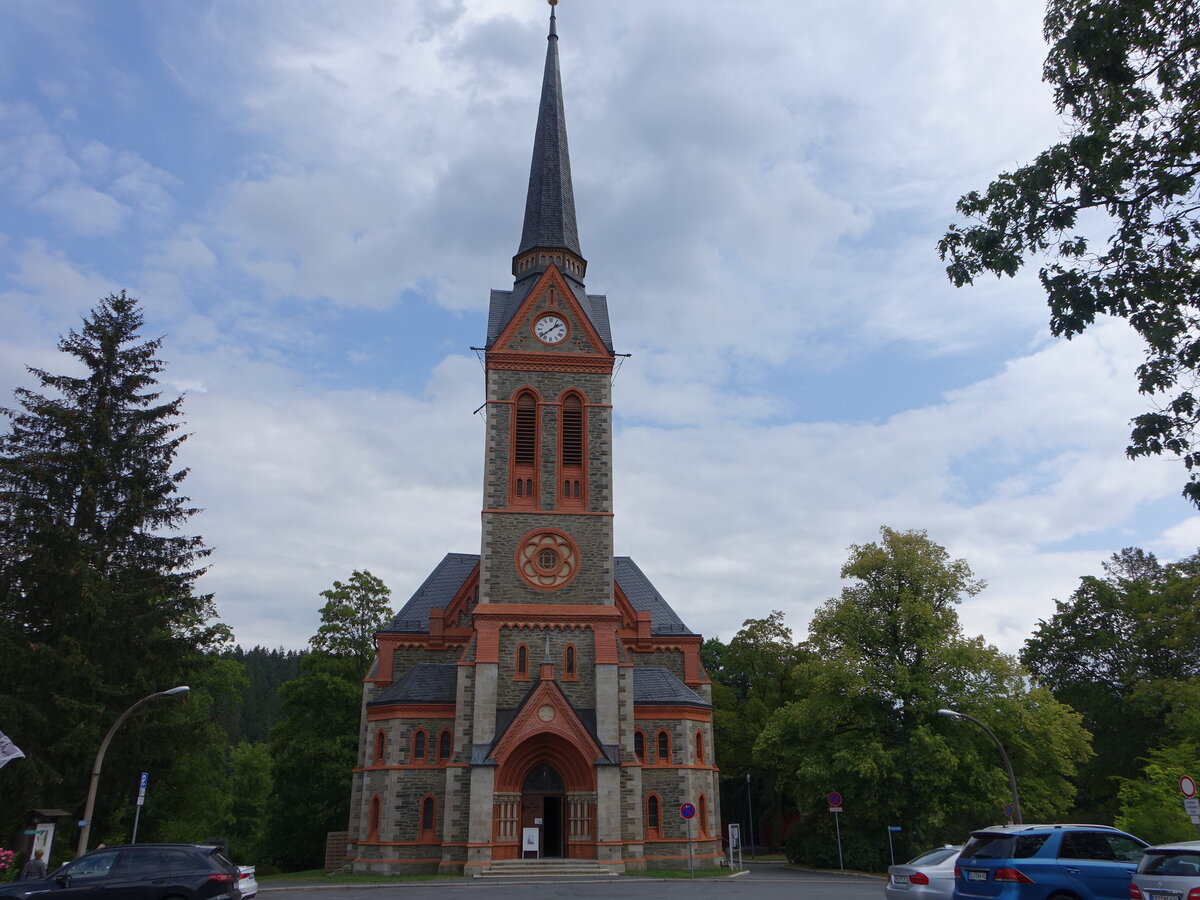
(1008, 811)
(687, 810)
(1187, 785)
(834, 798)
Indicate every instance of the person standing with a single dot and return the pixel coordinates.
(36, 867)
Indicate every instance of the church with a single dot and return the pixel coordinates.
(539, 699)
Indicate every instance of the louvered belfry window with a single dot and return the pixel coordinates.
(525, 451)
(571, 453)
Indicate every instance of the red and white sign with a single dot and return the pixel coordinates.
(1187, 786)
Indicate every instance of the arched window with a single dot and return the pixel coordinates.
(664, 747)
(418, 747)
(380, 747)
(699, 748)
(639, 746)
(445, 746)
(373, 820)
(702, 809)
(653, 817)
(572, 452)
(569, 662)
(522, 663)
(428, 818)
(523, 480)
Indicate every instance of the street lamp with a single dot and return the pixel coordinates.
(86, 829)
(1012, 779)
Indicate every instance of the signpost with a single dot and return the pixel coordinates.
(891, 850)
(835, 807)
(140, 800)
(1191, 803)
(735, 845)
(687, 811)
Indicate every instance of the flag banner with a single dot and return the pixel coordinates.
(8, 750)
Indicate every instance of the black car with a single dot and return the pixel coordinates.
(136, 872)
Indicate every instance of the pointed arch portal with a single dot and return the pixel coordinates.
(556, 784)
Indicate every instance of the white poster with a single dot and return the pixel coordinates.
(529, 840)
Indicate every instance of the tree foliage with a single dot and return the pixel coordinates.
(1124, 651)
(352, 613)
(881, 659)
(97, 599)
(1126, 76)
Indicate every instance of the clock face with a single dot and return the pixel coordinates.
(550, 329)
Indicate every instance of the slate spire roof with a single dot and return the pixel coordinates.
(550, 201)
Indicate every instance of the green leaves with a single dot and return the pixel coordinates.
(352, 613)
(1126, 75)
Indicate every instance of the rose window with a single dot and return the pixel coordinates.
(547, 559)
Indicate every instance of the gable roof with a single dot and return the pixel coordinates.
(654, 685)
(424, 683)
(504, 305)
(444, 582)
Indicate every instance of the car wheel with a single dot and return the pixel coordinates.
(1062, 895)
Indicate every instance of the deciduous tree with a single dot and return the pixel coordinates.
(1112, 210)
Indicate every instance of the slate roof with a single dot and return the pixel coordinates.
(654, 685)
(444, 582)
(550, 201)
(424, 683)
(435, 593)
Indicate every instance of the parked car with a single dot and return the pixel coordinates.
(929, 876)
(1168, 872)
(137, 872)
(248, 882)
(1039, 862)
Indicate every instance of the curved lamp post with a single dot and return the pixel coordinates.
(1012, 779)
(86, 830)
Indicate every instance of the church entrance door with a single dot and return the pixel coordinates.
(542, 808)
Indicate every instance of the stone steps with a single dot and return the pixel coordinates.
(546, 868)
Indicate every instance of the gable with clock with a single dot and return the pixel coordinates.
(541, 690)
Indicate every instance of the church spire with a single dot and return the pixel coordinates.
(550, 201)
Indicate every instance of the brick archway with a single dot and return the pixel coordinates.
(565, 816)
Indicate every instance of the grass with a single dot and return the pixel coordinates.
(318, 875)
(680, 873)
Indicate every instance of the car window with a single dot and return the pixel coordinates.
(182, 861)
(94, 865)
(1125, 848)
(1086, 845)
(933, 857)
(140, 863)
(1171, 862)
(988, 846)
(1028, 845)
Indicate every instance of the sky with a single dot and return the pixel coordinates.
(312, 201)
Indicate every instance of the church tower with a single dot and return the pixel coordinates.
(539, 699)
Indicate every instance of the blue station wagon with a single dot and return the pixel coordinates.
(1047, 862)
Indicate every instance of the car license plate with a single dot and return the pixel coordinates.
(900, 879)
(977, 874)
(1163, 895)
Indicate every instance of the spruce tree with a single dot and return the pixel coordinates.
(97, 599)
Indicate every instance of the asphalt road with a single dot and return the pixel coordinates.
(762, 881)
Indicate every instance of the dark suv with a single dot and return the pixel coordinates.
(1039, 862)
(136, 872)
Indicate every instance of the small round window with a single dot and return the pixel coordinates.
(547, 560)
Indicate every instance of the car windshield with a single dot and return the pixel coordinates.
(933, 857)
(1004, 846)
(1171, 862)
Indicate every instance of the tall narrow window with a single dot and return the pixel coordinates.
(373, 821)
(664, 747)
(569, 662)
(571, 453)
(524, 450)
(522, 663)
(380, 747)
(639, 746)
(653, 820)
(699, 748)
(445, 746)
(703, 804)
(428, 818)
(418, 747)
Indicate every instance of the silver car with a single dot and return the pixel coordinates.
(1168, 872)
(928, 877)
